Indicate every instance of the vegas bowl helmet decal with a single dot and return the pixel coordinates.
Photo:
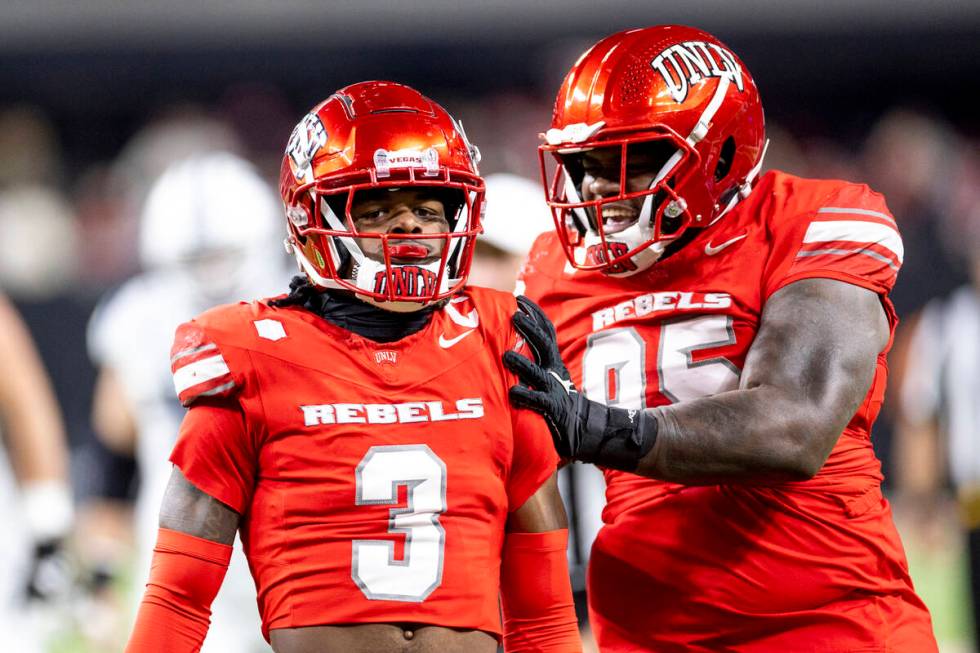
(379, 135)
(675, 88)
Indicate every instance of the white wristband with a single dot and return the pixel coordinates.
(48, 509)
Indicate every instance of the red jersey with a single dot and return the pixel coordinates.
(811, 565)
(374, 479)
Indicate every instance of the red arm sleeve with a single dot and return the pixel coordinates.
(185, 576)
(216, 452)
(539, 614)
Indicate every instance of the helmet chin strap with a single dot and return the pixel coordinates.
(698, 134)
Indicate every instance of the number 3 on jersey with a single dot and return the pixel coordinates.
(374, 567)
(615, 363)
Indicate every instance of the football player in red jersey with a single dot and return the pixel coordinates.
(357, 432)
(728, 333)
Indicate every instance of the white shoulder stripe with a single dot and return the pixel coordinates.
(847, 252)
(193, 350)
(857, 231)
(853, 211)
(206, 369)
(217, 391)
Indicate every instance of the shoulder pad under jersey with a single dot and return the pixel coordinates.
(198, 365)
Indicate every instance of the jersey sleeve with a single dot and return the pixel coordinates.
(848, 235)
(200, 368)
(216, 452)
(534, 458)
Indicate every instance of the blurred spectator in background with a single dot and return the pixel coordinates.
(509, 123)
(38, 239)
(910, 158)
(263, 119)
(207, 236)
(515, 215)
(785, 152)
(181, 131)
(938, 434)
(37, 519)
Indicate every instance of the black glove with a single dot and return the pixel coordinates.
(50, 578)
(581, 429)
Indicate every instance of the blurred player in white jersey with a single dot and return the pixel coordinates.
(205, 236)
(35, 501)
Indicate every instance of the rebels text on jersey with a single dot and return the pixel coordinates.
(374, 479)
(710, 560)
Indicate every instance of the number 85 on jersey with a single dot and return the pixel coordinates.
(616, 360)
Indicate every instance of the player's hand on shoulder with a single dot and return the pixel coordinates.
(581, 429)
(546, 386)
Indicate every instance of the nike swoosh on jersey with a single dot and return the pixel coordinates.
(711, 251)
(446, 343)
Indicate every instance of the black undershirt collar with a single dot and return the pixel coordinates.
(347, 312)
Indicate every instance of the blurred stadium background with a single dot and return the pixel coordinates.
(97, 98)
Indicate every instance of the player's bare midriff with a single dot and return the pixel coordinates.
(381, 638)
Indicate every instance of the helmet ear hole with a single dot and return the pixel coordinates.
(725, 159)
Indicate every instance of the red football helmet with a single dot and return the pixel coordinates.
(379, 135)
(684, 100)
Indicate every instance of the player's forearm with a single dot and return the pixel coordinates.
(185, 576)
(539, 614)
(33, 428)
(36, 442)
(757, 436)
(536, 594)
(806, 374)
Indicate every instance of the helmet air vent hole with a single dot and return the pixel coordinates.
(725, 159)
